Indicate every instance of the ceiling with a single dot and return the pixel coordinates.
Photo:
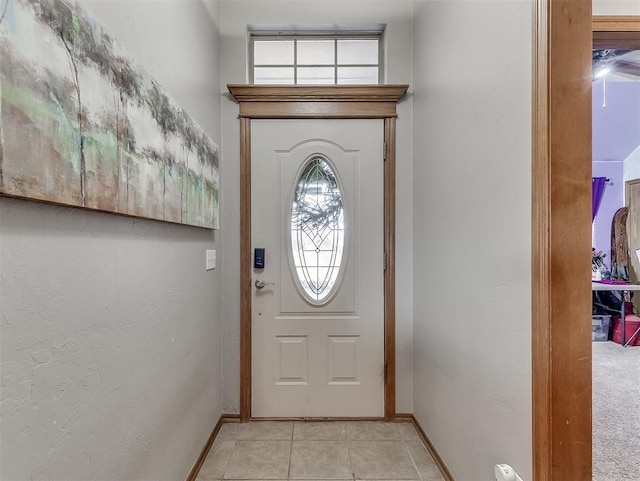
(616, 65)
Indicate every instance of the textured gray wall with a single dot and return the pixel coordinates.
(472, 323)
(111, 347)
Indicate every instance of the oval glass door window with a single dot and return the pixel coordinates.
(317, 231)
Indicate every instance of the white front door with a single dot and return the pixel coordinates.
(318, 321)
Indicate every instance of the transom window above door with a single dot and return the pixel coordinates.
(316, 57)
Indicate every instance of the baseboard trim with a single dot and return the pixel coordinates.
(404, 417)
(446, 474)
(230, 418)
(224, 418)
(318, 420)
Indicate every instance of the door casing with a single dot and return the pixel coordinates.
(563, 33)
(326, 102)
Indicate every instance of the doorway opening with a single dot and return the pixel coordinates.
(564, 33)
(616, 172)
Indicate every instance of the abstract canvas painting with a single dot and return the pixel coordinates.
(82, 125)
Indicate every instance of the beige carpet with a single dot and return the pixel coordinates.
(616, 412)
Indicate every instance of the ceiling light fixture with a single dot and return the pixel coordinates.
(603, 71)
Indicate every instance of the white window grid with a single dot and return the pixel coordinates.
(298, 36)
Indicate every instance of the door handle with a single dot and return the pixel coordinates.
(260, 284)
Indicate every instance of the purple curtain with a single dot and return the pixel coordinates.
(597, 191)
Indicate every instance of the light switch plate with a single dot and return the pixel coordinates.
(210, 261)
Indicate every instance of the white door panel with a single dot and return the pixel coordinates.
(311, 360)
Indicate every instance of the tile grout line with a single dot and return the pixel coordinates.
(429, 456)
(293, 429)
(413, 462)
(226, 464)
(348, 441)
(406, 448)
(235, 445)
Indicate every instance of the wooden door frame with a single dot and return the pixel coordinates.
(564, 32)
(326, 102)
(627, 184)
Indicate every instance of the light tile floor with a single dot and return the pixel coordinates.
(301, 451)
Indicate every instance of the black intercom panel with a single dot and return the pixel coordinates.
(258, 258)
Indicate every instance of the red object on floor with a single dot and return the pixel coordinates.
(628, 309)
(631, 324)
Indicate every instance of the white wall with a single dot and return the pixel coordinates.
(631, 165)
(472, 227)
(111, 329)
(616, 7)
(235, 16)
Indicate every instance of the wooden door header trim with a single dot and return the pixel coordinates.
(615, 23)
(317, 102)
(325, 93)
(318, 110)
(616, 32)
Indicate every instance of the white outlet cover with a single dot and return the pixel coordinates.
(210, 260)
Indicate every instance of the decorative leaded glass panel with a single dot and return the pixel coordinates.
(317, 230)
